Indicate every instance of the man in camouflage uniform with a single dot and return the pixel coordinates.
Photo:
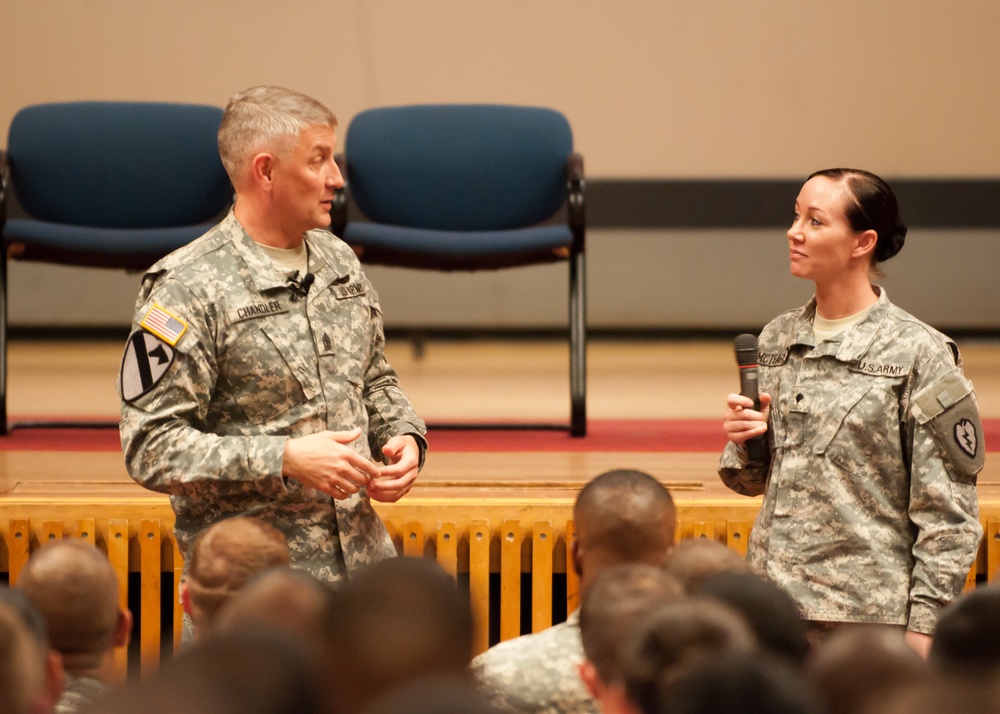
(870, 511)
(254, 382)
(620, 517)
(75, 589)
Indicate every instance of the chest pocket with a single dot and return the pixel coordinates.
(262, 374)
(341, 328)
(861, 426)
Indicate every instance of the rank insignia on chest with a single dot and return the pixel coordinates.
(165, 325)
(147, 358)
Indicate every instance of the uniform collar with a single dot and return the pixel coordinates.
(264, 273)
(852, 344)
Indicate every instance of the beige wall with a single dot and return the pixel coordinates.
(653, 88)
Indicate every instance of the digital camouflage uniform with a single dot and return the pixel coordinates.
(80, 693)
(206, 419)
(538, 672)
(870, 511)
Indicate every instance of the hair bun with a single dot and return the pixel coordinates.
(890, 245)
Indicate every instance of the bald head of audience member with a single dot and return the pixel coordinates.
(394, 622)
(31, 674)
(281, 599)
(858, 668)
(694, 560)
(74, 587)
(622, 516)
(612, 608)
(223, 558)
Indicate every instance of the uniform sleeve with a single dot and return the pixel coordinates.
(165, 441)
(389, 410)
(947, 454)
(737, 476)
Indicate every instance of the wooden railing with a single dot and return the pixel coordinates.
(493, 545)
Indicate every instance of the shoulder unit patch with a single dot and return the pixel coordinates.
(147, 358)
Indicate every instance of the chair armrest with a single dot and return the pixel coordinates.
(338, 211)
(575, 206)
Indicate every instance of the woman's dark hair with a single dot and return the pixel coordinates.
(872, 206)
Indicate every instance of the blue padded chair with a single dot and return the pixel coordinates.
(106, 184)
(470, 187)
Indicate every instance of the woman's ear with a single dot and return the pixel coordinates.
(865, 245)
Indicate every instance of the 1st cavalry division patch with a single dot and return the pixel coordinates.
(147, 358)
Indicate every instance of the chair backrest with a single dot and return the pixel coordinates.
(458, 167)
(118, 164)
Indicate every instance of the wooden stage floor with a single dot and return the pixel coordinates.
(455, 381)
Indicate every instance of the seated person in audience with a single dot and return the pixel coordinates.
(31, 673)
(771, 613)
(223, 558)
(434, 695)
(280, 599)
(244, 673)
(693, 560)
(620, 517)
(672, 639)
(967, 636)
(733, 683)
(614, 605)
(857, 669)
(74, 587)
(394, 622)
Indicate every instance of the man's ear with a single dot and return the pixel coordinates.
(185, 597)
(591, 680)
(123, 629)
(261, 168)
(55, 679)
(576, 555)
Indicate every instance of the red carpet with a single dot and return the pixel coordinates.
(665, 435)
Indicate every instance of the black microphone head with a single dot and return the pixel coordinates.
(746, 350)
(307, 281)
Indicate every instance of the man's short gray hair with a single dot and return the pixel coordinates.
(266, 118)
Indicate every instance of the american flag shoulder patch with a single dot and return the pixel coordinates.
(165, 325)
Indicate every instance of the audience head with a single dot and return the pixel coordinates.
(31, 674)
(612, 608)
(967, 635)
(223, 558)
(677, 637)
(856, 668)
(870, 204)
(442, 694)
(267, 119)
(693, 560)
(621, 517)
(771, 613)
(281, 599)
(732, 683)
(74, 587)
(250, 673)
(396, 621)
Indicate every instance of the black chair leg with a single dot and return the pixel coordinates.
(578, 344)
(3, 341)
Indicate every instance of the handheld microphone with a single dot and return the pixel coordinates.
(746, 360)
